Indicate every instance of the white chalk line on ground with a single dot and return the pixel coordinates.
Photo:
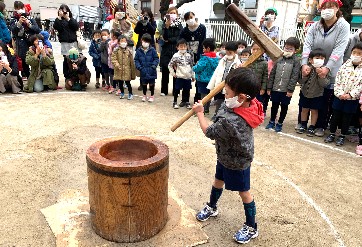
(319, 144)
(308, 199)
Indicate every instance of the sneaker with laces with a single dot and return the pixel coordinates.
(298, 126)
(118, 93)
(206, 213)
(270, 125)
(130, 96)
(330, 138)
(144, 98)
(175, 105)
(340, 141)
(278, 127)
(188, 105)
(151, 99)
(245, 234)
(98, 85)
(182, 104)
(162, 94)
(319, 132)
(121, 96)
(111, 90)
(301, 130)
(310, 132)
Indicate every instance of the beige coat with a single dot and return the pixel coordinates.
(124, 67)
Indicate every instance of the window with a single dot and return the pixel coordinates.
(145, 4)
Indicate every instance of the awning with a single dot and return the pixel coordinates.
(357, 19)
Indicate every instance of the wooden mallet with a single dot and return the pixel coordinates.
(267, 45)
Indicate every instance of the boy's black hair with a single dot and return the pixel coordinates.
(180, 42)
(96, 31)
(243, 80)
(242, 42)
(223, 43)
(187, 15)
(246, 50)
(105, 30)
(121, 37)
(231, 46)
(317, 52)
(358, 46)
(293, 41)
(115, 33)
(147, 38)
(209, 43)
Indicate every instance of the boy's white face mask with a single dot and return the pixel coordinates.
(317, 63)
(356, 59)
(233, 102)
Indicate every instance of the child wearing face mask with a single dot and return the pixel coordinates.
(103, 49)
(282, 81)
(232, 131)
(124, 67)
(221, 51)
(96, 56)
(182, 62)
(244, 55)
(113, 44)
(260, 68)
(347, 90)
(146, 61)
(242, 44)
(311, 94)
(226, 64)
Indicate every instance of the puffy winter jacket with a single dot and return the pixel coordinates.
(170, 36)
(260, 68)
(124, 67)
(312, 85)
(4, 31)
(95, 53)
(284, 75)
(183, 65)
(146, 62)
(205, 67)
(103, 49)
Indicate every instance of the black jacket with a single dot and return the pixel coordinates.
(170, 36)
(21, 34)
(66, 30)
(70, 73)
(13, 65)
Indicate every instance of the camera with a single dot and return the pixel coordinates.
(145, 18)
(65, 13)
(266, 18)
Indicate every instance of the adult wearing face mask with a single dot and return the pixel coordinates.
(4, 31)
(171, 29)
(330, 34)
(67, 28)
(146, 24)
(122, 23)
(22, 27)
(195, 34)
(268, 24)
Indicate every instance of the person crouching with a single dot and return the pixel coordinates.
(76, 73)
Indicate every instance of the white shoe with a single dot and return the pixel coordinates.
(151, 99)
(162, 94)
(144, 98)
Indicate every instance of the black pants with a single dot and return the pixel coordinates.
(324, 114)
(26, 68)
(185, 95)
(197, 94)
(98, 72)
(342, 120)
(165, 81)
(274, 112)
(128, 83)
(152, 89)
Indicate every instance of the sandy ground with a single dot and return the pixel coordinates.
(307, 193)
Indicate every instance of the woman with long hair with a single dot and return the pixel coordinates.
(121, 23)
(67, 28)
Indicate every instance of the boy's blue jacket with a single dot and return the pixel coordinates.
(205, 67)
(146, 62)
(4, 31)
(95, 54)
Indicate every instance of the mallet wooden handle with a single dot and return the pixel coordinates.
(215, 91)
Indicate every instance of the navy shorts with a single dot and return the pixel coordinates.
(347, 106)
(184, 84)
(311, 103)
(235, 180)
(105, 68)
(280, 97)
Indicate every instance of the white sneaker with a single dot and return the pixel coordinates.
(144, 98)
(151, 99)
(175, 105)
(162, 94)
